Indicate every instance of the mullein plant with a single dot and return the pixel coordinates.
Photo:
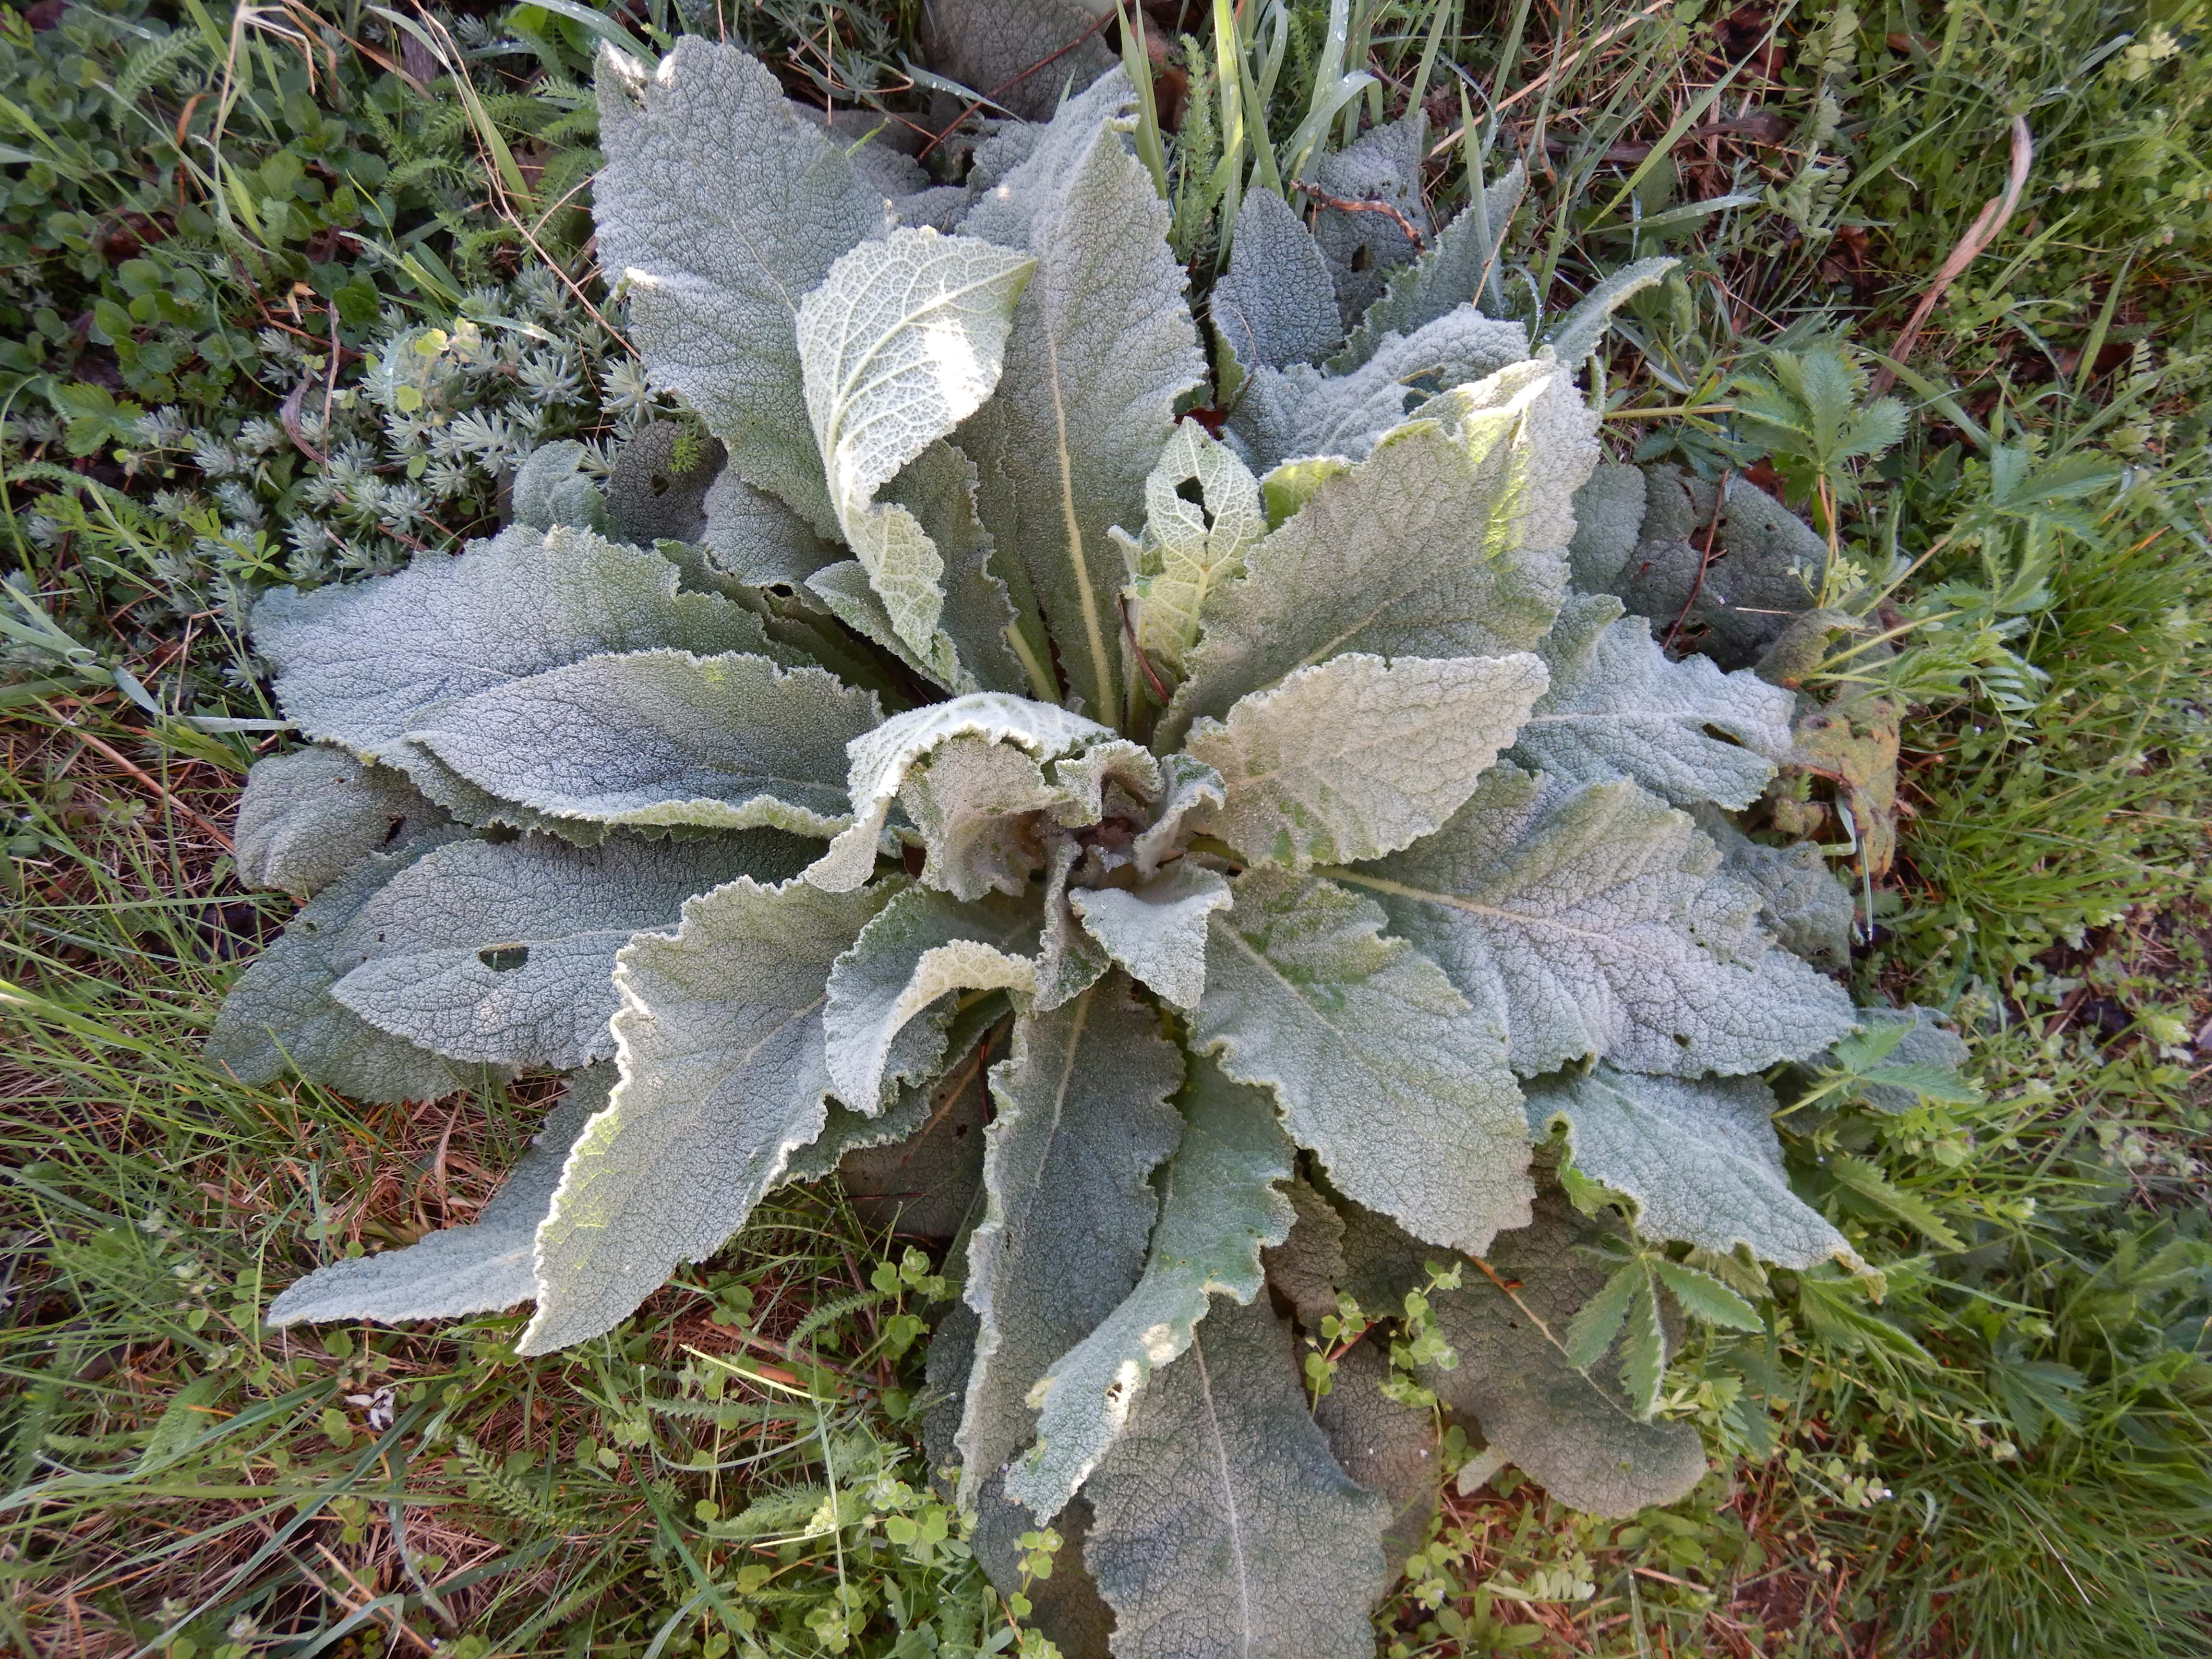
(1240, 784)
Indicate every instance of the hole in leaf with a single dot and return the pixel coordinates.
(1192, 491)
(1361, 257)
(1719, 736)
(503, 958)
(659, 481)
(391, 829)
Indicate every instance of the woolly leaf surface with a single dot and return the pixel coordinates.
(1619, 708)
(1189, 547)
(1701, 1158)
(1157, 931)
(1218, 1209)
(1378, 1064)
(724, 1076)
(1595, 921)
(1222, 1523)
(1275, 304)
(500, 951)
(1801, 900)
(1452, 272)
(309, 816)
(1358, 755)
(649, 738)
(456, 1271)
(979, 807)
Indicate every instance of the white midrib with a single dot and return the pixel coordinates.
(1228, 1498)
(1094, 634)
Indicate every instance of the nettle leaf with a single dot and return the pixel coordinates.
(878, 763)
(1083, 1119)
(1570, 1428)
(1453, 271)
(900, 341)
(1446, 542)
(280, 1016)
(1700, 1159)
(920, 947)
(1218, 1210)
(481, 1268)
(309, 816)
(1189, 547)
(720, 209)
(1275, 304)
(500, 951)
(1223, 1524)
(1301, 411)
(1358, 755)
(656, 738)
(1157, 930)
(1379, 1065)
(364, 666)
(1618, 708)
(1901, 1056)
(1593, 922)
(1102, 347)
(724, 1077)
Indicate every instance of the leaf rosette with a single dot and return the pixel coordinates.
(1301, 847)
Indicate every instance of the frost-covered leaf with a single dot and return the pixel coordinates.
(1069, 960)
(1040, 46)
(1576, 335)
(1593, 922)
(983, 809)
(727, 741)
(651, 495)
(1187, 784)
(1386, 1445)
(280, 1016)
(1619, 708)
(1765, 567)
(363, 665)
(1223, 1524)
(1218, 1209)
(1801, 900)
(902, 341)
(754, 539)
(921, 946)
(1301, 411)
(500, 951)
(720, 208)
(1608, 522)
(309, 816)
(1358, 755)
(552, 487)
(1701, 1158)
(1189, 547)
(1378, 1064)
(1306, 1268)
(939, 489)
(724, 1076)
(1083, 1118)
(1362, 245)
(1450, 273)
(1275, 304)
(1113, 778)
(1103, 346)
(1571, 1430)
(927, 1179)
(481, 1268)
(1157, 930)
(1446, 542)
(878, 763)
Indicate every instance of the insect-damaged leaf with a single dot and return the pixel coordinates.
(1223, 1524)
(477, 1268)
(1378, 1063)
(1595, 921)
(1218, 1209)
(720, 1039)
(1189, 547)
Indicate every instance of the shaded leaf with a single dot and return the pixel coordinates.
(309, 816)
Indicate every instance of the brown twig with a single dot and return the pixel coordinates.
(1347, 204)
(1704, 560)
(1979, 235)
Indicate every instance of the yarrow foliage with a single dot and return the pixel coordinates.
(1302, 862)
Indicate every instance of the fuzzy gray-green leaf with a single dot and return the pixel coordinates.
(309, 816)
(1377, 1062)
(1275, 304)
(500, 951)
(481, 1268)
(1222, 1524)
(724, 1076)
(1451, 272)
(1595, 921)
(1157, 930)
(726, 742)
